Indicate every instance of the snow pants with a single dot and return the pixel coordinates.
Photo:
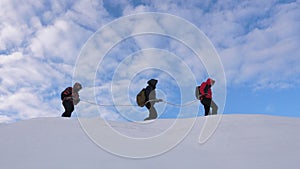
(69, 108)
(209, 103)
(152, 111)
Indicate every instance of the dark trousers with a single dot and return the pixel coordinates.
(206, 103)
(69, 108)
(209, 103)
(152, 111)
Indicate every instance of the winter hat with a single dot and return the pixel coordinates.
(210, 81)
(77, 85)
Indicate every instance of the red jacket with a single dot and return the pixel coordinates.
(205, 90)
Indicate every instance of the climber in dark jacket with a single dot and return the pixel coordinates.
(151, 99)
(70, 97)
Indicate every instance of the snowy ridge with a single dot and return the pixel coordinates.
(240, 141)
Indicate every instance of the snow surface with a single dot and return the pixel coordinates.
(240, 142)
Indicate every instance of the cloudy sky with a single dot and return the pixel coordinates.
(41, 42)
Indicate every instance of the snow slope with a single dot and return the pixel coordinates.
(240, 142)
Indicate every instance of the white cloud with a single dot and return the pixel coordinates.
(55, 40)
(10, 36)
(247, 34)
(39, 45)
(257, 43)
(29, 88)
(40, 40)
(6, 119)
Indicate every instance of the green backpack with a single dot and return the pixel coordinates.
(141, 98)
(197, 92)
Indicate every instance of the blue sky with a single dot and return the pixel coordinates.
(40, 41)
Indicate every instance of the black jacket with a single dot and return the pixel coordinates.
(150, 90)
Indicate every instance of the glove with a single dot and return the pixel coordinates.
(67, 98)
(159, 100)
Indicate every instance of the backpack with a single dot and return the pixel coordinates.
(197, 92)
(67, 92)
(141, 98)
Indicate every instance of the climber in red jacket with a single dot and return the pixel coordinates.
(206, 97)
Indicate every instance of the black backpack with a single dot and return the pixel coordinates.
(66, 93)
